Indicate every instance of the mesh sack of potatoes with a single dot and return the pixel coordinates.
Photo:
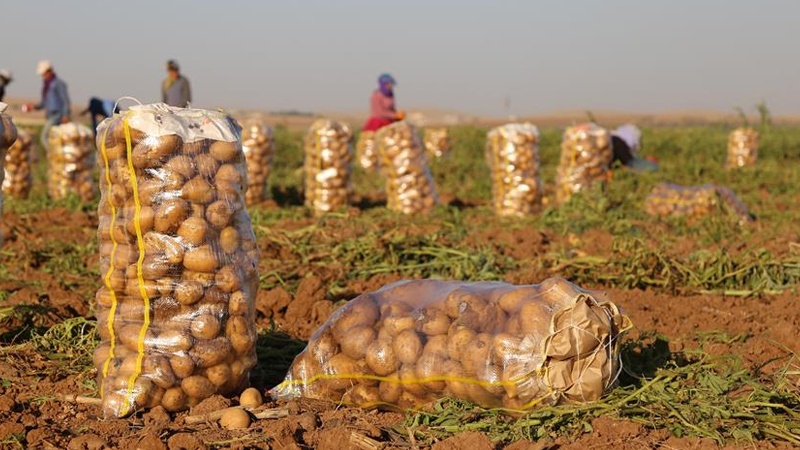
(18, 167)
(70, 162)
(512, 152)
(366, 151)
(495, 344)
(328, 154)
(742, 148)
(437, 141)
(258, 145)
(178, 260)
(669, 199)
(404, 165)
(8, 135)
(586, 155)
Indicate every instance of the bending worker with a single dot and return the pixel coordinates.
(382, 106)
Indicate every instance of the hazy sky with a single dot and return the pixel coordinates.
(546, 55)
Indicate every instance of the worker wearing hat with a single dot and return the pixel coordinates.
(175, 89)
(55, 99)
(5, 79)
(382, 107)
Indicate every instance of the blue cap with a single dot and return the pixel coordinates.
(386, 78)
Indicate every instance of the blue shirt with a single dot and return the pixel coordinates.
(56, 99)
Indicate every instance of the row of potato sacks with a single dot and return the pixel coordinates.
(8, 135)
(492, 343)
(436, 142)
(401, 158)
(178, 260)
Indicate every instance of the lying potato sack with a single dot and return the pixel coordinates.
(742, 148)
(668, 199)
(178, 260)
(366, 153)
(492, 343)
(513, 154)
(258, 145)
(586, 155)
(8, 135)
(18, 174)
(437, 141)
(70, 162)
(409, 185)
(328, 154)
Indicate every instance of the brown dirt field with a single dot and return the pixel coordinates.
(29, 416)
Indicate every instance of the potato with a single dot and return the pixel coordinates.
(355, 342)
(170, 214)
(182, 365)
(225, 151)
(512, 300)
(192, 231)
(432, 322)
(198, 190)
(390, 389)
(151, 151)
(228, 279)
(188, 292)
(182, 165)
(241, 333)
(201, 259)
(408, 346)
(343, 368)
(220, 375)
(210, 352)
(158, 370)
(381, 357)
(229, 240)
(228, 174)
(393, 326)
(361, 312)
(482, 397)
(168, 247)
(219, 214)
(362, 395)
(454, 379)
(535, 317)
(429, 370)
(239, 305)
(235, 419)
(198, 386)
(205, 326)
(155, 397)
(459, 340)
(145, 219)
(477, 354)
(251, 398)
(153, 268)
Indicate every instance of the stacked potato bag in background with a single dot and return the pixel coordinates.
(366, 151)
(178, 260)
(409, 185)
(512, 152)
(258, 145)
(70, 162)
(495, 344)
(668, 199)
(18, 174)
(328, 155)
(742, 148)
(437, 141)
(8, 135)
(586, 155)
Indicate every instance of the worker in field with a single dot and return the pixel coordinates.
(382, 106)
(175, 90)
(625, 142)
(5, 80)
(99, 109)
(55, 99)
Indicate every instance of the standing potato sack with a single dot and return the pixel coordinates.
(495, 344)
(328, 154)
(259, 147)
(18, 167)
(513, 154)
(437, 142)
(409, 185)
(742, 148)
(70, 162)
(8, 135)
(366, 151)
(178, 260)
(586, 155)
